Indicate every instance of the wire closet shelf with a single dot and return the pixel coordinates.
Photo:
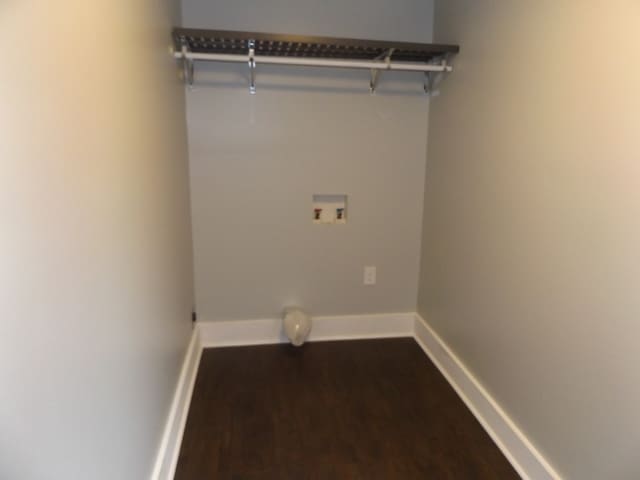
(255, 48)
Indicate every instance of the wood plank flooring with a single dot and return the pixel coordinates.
(370, 409)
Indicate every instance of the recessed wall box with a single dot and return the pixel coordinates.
(329, 209)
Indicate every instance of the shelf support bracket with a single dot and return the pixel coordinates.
(428, 82)
(252, 67)
(430, 77)
(187, 66)
(375, 73)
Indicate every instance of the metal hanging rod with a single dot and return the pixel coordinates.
(253, 48)
(317, 62)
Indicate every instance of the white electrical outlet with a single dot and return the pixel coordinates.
(370, 275)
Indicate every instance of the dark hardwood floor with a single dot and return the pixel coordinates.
(370, 409)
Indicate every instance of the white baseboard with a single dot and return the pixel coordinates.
(268, 331)
(167, 459)
(524, 457)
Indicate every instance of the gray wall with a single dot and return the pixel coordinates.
(257, 160)
(95, 250)
(531, 258)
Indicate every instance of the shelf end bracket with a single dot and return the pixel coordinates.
(428, 82)
(187, 65)
(431, 77)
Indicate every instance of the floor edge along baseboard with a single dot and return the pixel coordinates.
(167, 457)
(515, 446)
(269, 331)
(520, 452)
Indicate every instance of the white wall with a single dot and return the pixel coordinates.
(257, 160)
(531, 262)
(95, 250)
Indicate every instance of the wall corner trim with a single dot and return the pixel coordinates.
(169, 450)
(523, 456)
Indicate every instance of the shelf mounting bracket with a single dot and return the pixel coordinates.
(252, 67)
(428, 83)
(187, 66)
(375, 73)
(430, 77)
